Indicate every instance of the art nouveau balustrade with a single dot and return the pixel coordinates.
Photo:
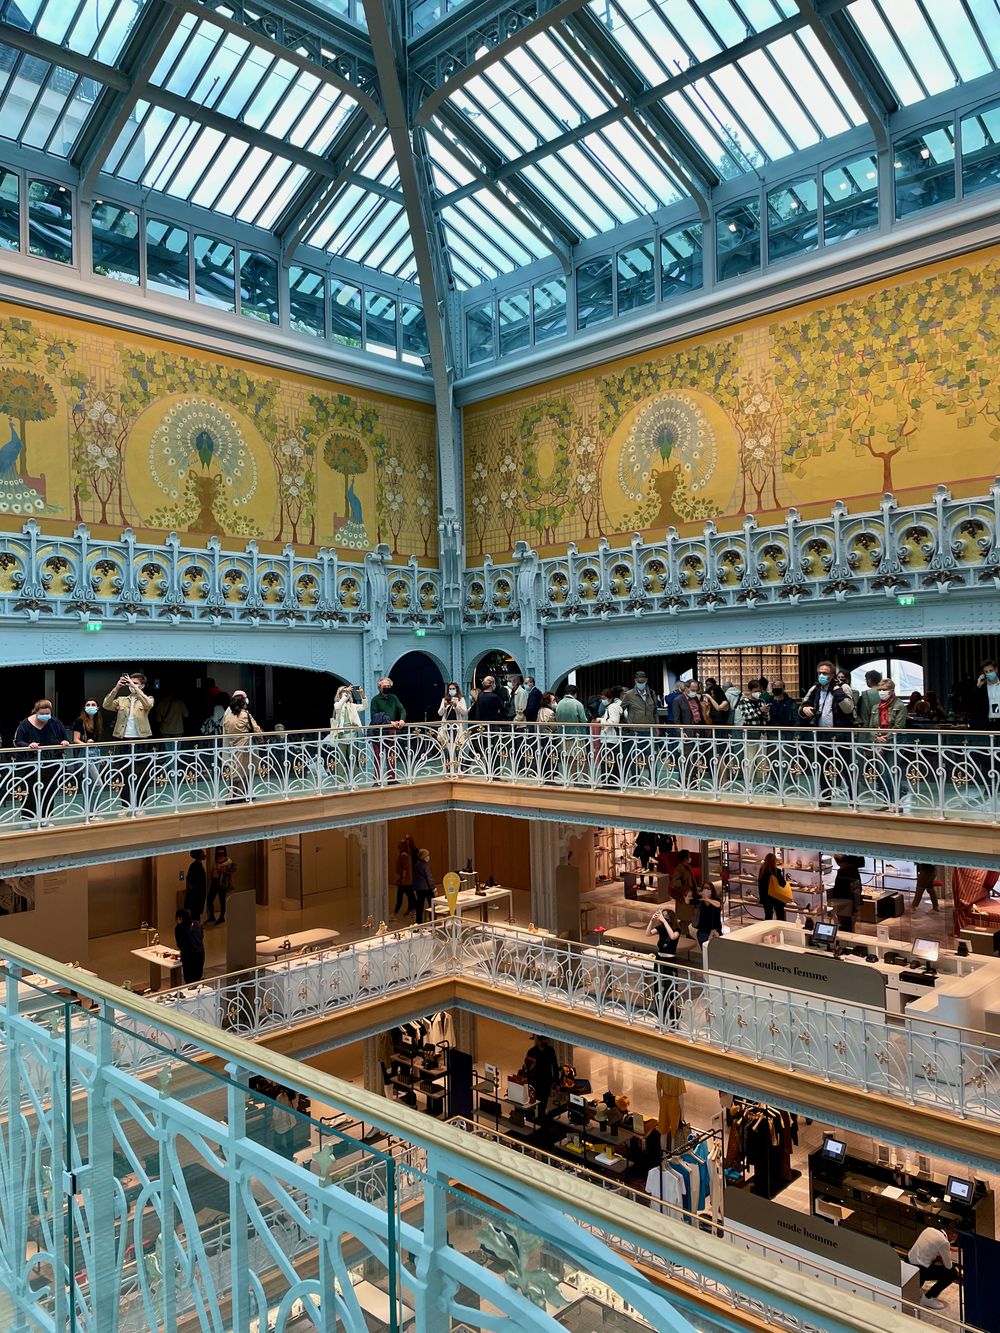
(935, 547)
(938, 546)
(80, 578)
(952, 775)
(171, 1194)
(908, 1058)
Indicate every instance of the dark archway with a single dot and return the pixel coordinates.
(418, 681)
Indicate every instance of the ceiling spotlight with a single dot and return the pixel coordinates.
(925, 153)
(732, 226)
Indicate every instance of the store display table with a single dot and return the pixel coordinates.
(301, 942)
(630, 937)
(471, 901)
(160, 960)
(648, 887)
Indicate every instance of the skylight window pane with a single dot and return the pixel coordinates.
(10, 211)
(636, 277)
(214, 273)
(514, 322)
(981, 149)
(47, 109)
(986, 15)
(886, 51)
(594, 292)
(749, 116)
(345, 313)
(479, 334)
(698, 38)
(798, 56)
(271, 205)
(720, 152)
(737, 239)
(549, 301)
(196, 60)
(792, 219)
(95, 34)
(115, 242)
(306, 301)
(920, 44)
(958, 37)
(924, 168)
(266, 99)
(681, 263)
(167, 250)
(649, 44)
(412, 331)
(275, 182)
(203, 187)
(783, 107)
(218, 75)
(850, 198)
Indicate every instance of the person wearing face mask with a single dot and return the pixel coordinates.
(40, 730)
(88, 729)
(132, 707)
(749, 712)
(984, 712)
(346, 731)
(453, 711)
(641, 704)
(889, 760)
(238, 725)
(830, 709)
(388, 716)
(690, 712)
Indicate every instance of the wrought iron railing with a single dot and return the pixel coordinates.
(195, 1196)
(933, 547)
(81, 577)
(925, 548)
(937, 775)
(920, 1061)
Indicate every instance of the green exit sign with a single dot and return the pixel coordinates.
(905, 600)
(94, 626)
(420, 634)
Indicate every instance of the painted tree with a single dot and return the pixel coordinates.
(100, 432)
(347, 456)
(25, 396)
(967, 372)
(860, 375)
(295, 466)
(757, 417)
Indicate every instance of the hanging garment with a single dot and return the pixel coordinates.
(663, 1184)
(441, 1028)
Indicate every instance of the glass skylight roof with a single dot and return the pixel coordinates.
(605, 118)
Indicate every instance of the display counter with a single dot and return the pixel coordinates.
(815, 1246)
(894, 1205)
(876, 973)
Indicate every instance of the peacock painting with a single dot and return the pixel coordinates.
(348, 456)
(18, 494)
(206, 470)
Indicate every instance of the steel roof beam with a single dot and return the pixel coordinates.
(110, 113)
(388, 48)
(846, 52)
(33, 45)
(305, 44)
(677, 148)
(305, 210)
(505, 196)
(465, 73)
(496, 171)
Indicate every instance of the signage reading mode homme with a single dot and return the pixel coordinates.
(810, 970)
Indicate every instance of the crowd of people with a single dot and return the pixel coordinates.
(620, 721)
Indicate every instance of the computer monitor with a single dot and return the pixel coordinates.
(834, 1150)
(824, 932)
(925, 951)
(960, 1190)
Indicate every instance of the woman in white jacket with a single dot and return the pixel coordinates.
(611, 737)
(453, 712)
(347, 731)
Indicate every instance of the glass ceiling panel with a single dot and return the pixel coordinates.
(926, 46)
(42, 105)
(95, 30)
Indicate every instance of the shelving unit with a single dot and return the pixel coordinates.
(804, 870)
(411, 1073)
(613, 853)
(775, 661)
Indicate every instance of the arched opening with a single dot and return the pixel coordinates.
(418, 681)
(501, 665)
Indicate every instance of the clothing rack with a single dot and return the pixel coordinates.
(697, 1136)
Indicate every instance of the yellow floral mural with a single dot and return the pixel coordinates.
(114, 430)
(889, 387)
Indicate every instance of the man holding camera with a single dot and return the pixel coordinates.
(131, 706)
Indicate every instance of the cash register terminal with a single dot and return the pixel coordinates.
(959, 1191)
(824, 935)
